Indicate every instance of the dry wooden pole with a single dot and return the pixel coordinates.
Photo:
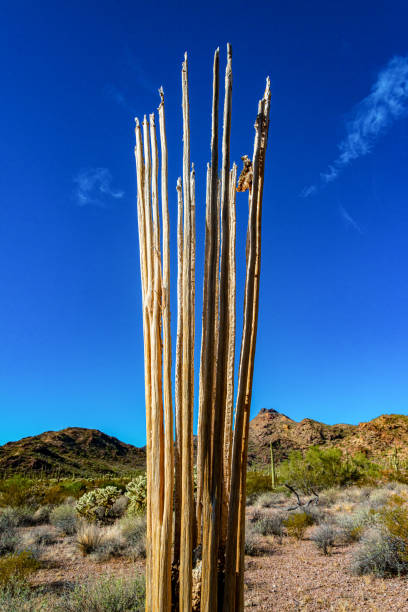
(166, 535)
(229, 402)
(187, 409)
(209, 339)
(192, 315)
(221, 388)
(242, 501)
(200, 445)
(157, 390)
(178, 379)
(140, 172)
(233, 594)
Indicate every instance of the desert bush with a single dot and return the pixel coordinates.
(16, 596)
(297, 523)
(64, 518)
(271, 524)
(15, 568)
(253, 545)
(324, 537)
(9, 541)
(257, 482)
(380, 553)
(89, 538)
(42, 515)
(133, 530)
(136, 491)
(41, 536)
(352, 526)
(120, 506)
(111, 544)
(108, 594)
(22, 516)
(318, 469)
(316, 514)
(96, 506)
(379, 498)
(328, 497)
(270, 499)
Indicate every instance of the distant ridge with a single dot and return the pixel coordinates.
(90, 452)
(75, 450)
(377, 438)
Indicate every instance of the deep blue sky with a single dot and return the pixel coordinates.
(333, 325)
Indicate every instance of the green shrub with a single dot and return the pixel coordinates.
(108, 594)
(96, 506)
(257, 482)
(136, 491)
(64, 518)
(9, 541)
(297, 523)
(15, 568)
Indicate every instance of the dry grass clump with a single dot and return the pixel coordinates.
(107, 594)
(253, 542)
(43, 535)
(269, 524)
(352, 526)
(324, 537)
(380, 553)
(64, 518)
(88, 538)
(270, 499)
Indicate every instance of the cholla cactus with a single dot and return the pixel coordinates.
(96, 505)
(136, 491)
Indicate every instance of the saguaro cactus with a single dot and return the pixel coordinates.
(216, 518)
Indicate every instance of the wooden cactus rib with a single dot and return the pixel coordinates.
(236, 518)
(200, 445)
(166, 535)
(209, 335)
(178, 378)
(157, 391)
(140, 172)
(229, 401)
(218, 518)
(187, 408)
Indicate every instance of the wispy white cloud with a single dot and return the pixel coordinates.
(348, 219)
(94, 187)
(387, 102)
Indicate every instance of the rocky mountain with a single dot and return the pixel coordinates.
(89, 452)
(380, 437)
(75, 450)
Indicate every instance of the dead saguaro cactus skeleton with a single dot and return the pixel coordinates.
(215, 517)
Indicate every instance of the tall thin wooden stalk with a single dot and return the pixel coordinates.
(217, 520)
(233, 592)
(165, 553)
(187, 409)
(178, 380)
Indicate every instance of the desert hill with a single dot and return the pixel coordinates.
(380, 437)
(75, 450)
(89, 452)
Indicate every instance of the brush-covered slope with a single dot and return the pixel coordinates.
(75, 450)
(377, 438)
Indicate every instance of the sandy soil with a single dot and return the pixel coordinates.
(292, 576)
